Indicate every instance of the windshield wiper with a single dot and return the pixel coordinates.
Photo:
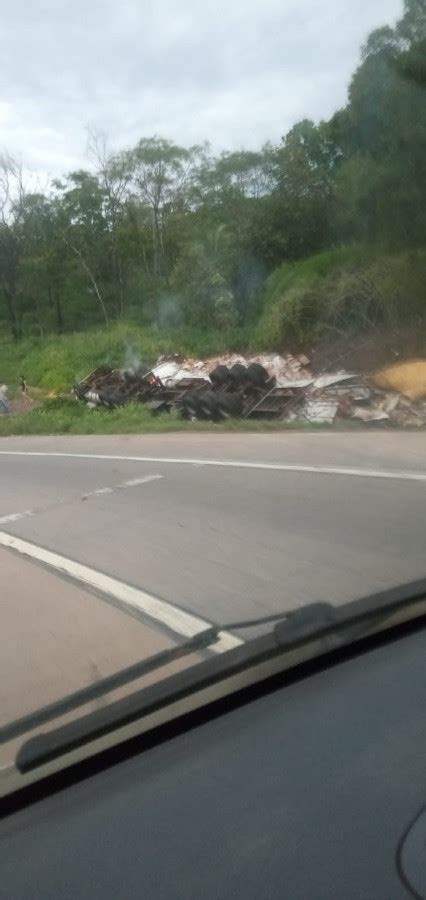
(201, 641)
(320, 624)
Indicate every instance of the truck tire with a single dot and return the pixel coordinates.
(219, 376)
(208, 405)
(229, 405)
(257, 374)
(191, 405)
(238, 373)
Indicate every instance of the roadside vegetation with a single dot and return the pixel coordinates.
(159, 248)
(351, 291)
(54, 363)
(67, 416)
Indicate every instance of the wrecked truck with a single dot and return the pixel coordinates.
(268, 387)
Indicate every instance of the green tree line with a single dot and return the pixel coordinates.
(171, 235)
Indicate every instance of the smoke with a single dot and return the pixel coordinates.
(169, 313)
(133, 362)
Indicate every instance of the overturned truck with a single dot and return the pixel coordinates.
(273, 387)
(225, 392)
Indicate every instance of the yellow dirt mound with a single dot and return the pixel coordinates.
(408, 378)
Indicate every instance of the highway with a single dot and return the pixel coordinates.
(114, 547)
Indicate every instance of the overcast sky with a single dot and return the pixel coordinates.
(234, 72)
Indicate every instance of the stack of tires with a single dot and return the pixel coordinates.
(213, 405)
(225, 400)
(243, 377)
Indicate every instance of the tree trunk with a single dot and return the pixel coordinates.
(155, 242)
(118, 282)
(143, 254)
(120, 287)
(55, 305)
(59, 316)
(92, 278)
(158, 242)
(14, 321)
(38, 313)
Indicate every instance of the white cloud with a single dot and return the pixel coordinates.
(234, 72)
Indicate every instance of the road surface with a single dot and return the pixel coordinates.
(111, 546)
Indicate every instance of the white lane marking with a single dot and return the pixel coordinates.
(177, 620)
(104, 490)
(134, 482)
(14, 517)
(395, 475)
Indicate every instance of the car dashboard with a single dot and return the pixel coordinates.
(309, 787)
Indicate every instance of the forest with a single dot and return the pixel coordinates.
(323, 234)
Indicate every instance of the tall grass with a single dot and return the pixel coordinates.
(346, 291)
(55, 363)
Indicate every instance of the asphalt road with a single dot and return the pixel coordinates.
(115, 548)
(57, 637)
(225, 542)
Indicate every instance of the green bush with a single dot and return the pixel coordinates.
(346, 291)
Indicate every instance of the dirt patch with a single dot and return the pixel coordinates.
(23, 403)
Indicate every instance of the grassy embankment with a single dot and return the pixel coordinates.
(342, 294)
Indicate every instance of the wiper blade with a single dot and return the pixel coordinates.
(320, 626)
(200, 641)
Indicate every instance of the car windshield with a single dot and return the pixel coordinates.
(212, 345)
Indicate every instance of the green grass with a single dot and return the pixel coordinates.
(68, 416)
(55, 363)
(348, 291)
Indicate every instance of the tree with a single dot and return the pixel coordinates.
(411, 28)
(206, 296)
(41, 266)
(228, 199)
(12, 201)
(160, 172)
(305, 164)
(114, 173)
(382, 136)
(165, 233)
(82, 225)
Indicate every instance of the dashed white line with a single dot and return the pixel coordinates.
(177, 620)
(134, 482)
(393, 475)
(14, 517)
(104, 490)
